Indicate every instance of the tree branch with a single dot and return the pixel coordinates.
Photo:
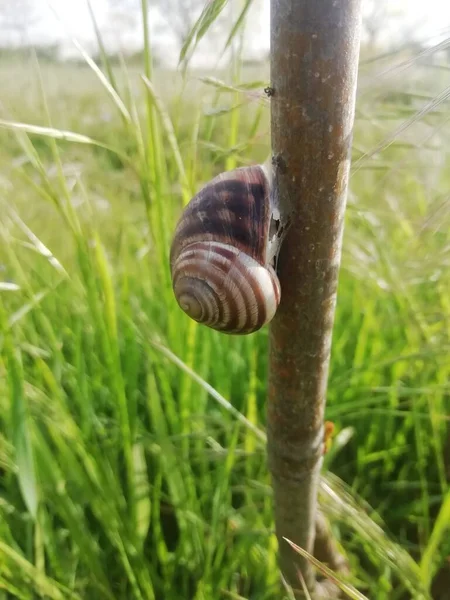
(325, 547)
(314, 59)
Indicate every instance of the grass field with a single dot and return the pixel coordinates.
(123, 475)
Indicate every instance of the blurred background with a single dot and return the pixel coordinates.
(132, 453)
(50, 26)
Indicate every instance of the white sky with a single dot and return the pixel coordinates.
(430, 17)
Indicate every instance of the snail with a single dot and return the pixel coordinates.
(224, 251)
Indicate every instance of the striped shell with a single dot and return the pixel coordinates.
(221, 254)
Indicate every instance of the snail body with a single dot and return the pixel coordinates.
(223, 253)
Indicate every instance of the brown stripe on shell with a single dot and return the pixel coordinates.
(219, 267)
(260, 303)
(241, 301)
(242, 285)
(245, 297)
(211, 265)
(193, 265)
(232, 209)
(258, 299)
(232, 282)
(246, 285)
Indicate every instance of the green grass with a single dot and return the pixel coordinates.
(123, 475)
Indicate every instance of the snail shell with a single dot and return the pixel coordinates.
(223, 252)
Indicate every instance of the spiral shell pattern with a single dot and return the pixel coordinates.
(218, 257)
(225, 289)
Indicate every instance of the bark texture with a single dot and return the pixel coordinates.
(314, 60)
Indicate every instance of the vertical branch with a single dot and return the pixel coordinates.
(314, 60)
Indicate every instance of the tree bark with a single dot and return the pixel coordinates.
(314, 62)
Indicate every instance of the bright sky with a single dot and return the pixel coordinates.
(431, 17)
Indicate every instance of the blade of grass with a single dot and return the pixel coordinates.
(348, 589)
(21, 432)
(438, 535)
(211, 11)
(211, 391)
